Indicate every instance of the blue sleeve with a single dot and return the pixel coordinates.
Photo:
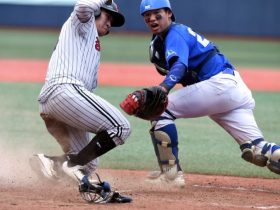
(176, 46)
(174, 76)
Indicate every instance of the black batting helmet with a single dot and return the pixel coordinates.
(112, 8)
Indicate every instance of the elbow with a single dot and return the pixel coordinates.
(83, 12)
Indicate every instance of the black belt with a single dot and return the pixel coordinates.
(228, 71)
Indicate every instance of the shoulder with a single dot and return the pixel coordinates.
(177, 30)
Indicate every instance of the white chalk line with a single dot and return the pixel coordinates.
(231, 188)
(240, 189)
(248, 206)
(234, 188)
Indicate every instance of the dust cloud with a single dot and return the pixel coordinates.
(14, 167)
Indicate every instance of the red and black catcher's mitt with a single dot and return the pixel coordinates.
(147, 103)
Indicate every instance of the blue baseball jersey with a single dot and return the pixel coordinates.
(190, 49)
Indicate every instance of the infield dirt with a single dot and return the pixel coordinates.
(128, 74)
(201, 192)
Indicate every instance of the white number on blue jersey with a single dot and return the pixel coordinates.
(204, 42)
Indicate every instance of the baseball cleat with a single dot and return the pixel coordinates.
(154, 175)
(75, 172)
(43, 166)
(158, 177)
(118, 198)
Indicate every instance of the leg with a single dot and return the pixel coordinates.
(71, 140)
(83, 112)
(98, 146)
(75, 140)
(190, 102)
(230, 104)
(262, 153)
(223, 92)
(165, 141)
(79, 108)
(241, 125)
(47, 166)
(59, 131)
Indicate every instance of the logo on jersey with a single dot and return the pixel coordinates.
(173, 77)
(97, 44)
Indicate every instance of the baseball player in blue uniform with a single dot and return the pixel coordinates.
(72, 112)
(211, 87)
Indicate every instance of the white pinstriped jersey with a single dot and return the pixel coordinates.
(72, 112)
(76, 57)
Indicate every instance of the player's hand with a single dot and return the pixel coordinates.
(130, 104)
(109, 2)
(147, 103)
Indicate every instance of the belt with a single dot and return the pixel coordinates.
(228, 71)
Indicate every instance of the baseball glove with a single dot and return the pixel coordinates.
(147, 103)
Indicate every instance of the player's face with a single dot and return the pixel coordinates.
(158, 20)
(103, 23)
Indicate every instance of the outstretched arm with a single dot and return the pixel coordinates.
(174, 76)
(86, 8)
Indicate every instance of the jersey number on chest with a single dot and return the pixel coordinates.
(204, 42)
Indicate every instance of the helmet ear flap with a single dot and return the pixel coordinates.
(97, 12)
(111, 7)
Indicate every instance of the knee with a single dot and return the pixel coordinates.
(121, 132)
(165, 142)
(49, 122)
(252, 154)
(262, 153)
(126, 130)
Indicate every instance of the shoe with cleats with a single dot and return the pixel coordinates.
(44, 167)
(75, 172)
(158, 177)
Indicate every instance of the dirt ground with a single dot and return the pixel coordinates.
(121, 74)
(201, 192)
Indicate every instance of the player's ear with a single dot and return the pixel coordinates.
(169, 13)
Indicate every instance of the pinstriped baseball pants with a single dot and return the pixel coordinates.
(72, 114)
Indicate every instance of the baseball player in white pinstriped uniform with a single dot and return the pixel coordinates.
(67, 105)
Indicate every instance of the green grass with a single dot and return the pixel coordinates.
(27, 43)
(204, 147)
(251, 53)
(132, 48)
